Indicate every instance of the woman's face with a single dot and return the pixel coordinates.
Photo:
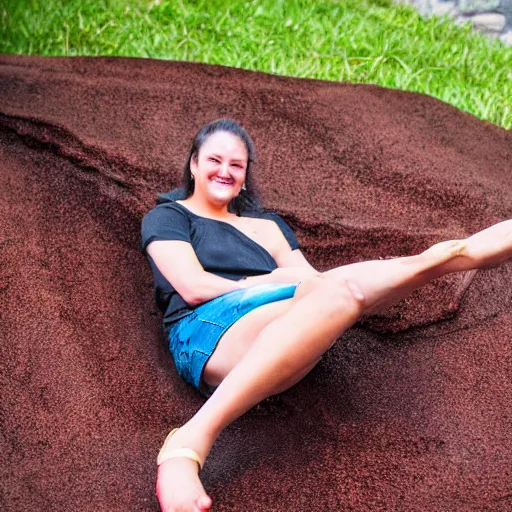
(220, 167)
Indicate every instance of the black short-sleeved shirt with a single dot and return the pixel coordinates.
(221, 249)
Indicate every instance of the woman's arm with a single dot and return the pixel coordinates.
(286, 257)
(179, 264)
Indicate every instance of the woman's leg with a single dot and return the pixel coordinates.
(279, 355)
(285, 349)
(382, 281)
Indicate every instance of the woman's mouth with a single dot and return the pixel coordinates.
(223, 181)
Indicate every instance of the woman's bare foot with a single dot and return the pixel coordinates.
(485, 249)
(178, 486)
(492, 246)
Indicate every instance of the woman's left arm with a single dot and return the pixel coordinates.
(293, 258)
(289, 258)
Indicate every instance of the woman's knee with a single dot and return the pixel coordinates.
(343, 295)
(309, 285)
(333, 294)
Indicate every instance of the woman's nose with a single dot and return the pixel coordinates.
(223, 169)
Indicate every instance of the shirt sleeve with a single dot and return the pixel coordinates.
(165, 223)
(286, 230)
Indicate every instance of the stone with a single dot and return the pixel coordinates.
(477, 5)
(506, 9)
(444, 9)
(489, 22)
(429, 7)
(506, 38)
(492, 17)
(461, 19)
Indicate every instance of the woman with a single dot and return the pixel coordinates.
(246, 315)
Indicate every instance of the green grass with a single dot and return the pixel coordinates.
(342, 40)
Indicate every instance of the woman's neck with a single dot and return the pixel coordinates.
(206, 209)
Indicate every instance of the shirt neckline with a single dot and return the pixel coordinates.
(230, 225)
(202, 216)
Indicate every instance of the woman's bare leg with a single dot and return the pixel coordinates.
(279, 356)
(289, 345)
(382, 281)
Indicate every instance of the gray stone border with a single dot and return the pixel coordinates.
(492, 17)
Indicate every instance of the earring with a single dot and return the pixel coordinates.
(243, 187)
(191, 176)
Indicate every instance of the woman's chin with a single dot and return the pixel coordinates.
(220, 197)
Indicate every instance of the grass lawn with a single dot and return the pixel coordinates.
(368, 41)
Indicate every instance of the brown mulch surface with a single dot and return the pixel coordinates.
(411, 410)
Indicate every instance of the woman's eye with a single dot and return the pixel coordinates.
(213, 160)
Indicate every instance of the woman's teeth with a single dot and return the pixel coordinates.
(223, 182)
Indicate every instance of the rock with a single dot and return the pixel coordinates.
(506, 9)
(493, 17)
(444, 9)
(461, 19)
(507, 38)
(489, 22)
(466, 6)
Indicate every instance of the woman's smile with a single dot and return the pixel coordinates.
(219, 169)
(223, 181)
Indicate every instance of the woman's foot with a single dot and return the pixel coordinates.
(492, 246)
(178, 486)
(485, 249)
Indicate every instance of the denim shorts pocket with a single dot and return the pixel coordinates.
(217, 313)
(208, 320)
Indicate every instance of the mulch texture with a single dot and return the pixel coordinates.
(410, 411)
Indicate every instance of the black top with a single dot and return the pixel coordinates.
(221, 249)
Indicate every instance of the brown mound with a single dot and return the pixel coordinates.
(416, 420)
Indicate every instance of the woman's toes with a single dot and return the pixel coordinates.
(178, 487)
(204, 502)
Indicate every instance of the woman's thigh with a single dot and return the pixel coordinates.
(239, 338)
(381, 282)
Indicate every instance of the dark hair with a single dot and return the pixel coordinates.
(248, 199)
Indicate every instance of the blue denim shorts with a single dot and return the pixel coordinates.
(193, 339)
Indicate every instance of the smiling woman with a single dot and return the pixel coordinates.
(219, 170)
(245, 314)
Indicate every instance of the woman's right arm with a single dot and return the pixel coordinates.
(178, 263)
